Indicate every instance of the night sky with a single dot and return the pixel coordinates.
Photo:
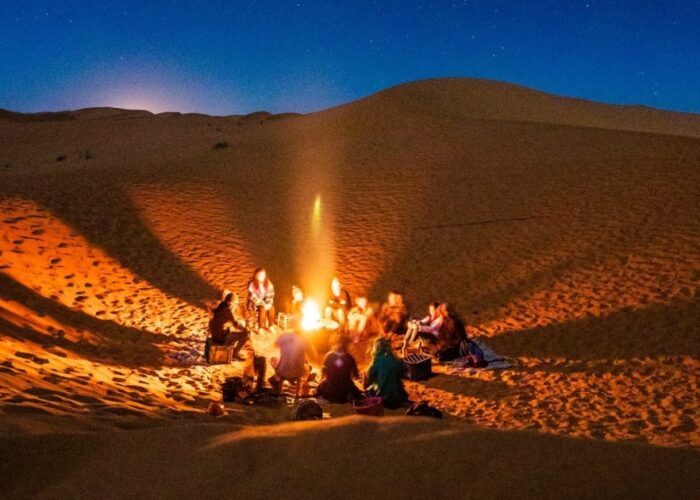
(225, 57)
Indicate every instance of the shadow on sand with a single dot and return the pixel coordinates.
(101, 211)
(116, 344)
(658, 330)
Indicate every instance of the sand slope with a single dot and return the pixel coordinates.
(346, 458)
(566, 231)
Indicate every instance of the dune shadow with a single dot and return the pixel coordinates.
(657, 330)
(101, 210)
(117, 344)
(469, 386)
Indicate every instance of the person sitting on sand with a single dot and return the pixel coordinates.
(297, 301)
(224, 327)
(339, 368)
(451, 334)
(427, 328)
(292, 364)
(358, 317)
(338, 304)
(393, 314)
(261, 296)
(383, 376)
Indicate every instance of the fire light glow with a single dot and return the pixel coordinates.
(310, 315)
(316, 217)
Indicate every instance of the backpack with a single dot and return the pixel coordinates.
(423, 409)
(236, 389)
(472, 354)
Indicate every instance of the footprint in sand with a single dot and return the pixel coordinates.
(32, 357)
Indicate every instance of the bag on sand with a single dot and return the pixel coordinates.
(236, 389)
(448, 354)
(472, 354)
(423, 409)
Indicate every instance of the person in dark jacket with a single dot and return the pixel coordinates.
(339, 303)
(261, 297)
(224, 327)
(339, 369)
(383, 376)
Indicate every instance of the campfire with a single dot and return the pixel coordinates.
(316, 328)
(310, 316)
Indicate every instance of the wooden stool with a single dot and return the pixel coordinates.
(217, 354)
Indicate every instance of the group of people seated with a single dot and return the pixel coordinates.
(441, 332)
(339, 371)
(227, 327)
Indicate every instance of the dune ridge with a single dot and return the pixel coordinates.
(461, 98)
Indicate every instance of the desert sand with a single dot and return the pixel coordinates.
(566, 232)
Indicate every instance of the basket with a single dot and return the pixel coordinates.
(417, 367)
(373, 406)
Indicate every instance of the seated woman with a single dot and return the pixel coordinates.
(358, 318)
(339, 369)
(338, 304)
(383, 376)
(224, 327)
(393, 315)
(427, 328)
(261, 296)
(452, 333)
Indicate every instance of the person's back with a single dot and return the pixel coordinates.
(293, 350)
(384, 376)
(451, 333)
(339, 368)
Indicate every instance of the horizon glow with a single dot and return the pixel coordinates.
(236, 57)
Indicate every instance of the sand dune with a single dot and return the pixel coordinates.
(458, 98)
(565, 231)
(396, 458)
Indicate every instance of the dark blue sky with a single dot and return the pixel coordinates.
(224, 57)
